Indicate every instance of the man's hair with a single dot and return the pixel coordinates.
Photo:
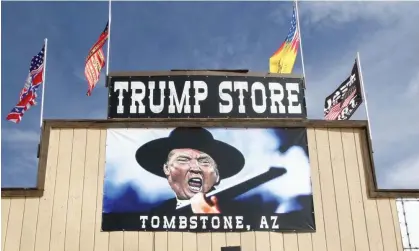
(171, 153)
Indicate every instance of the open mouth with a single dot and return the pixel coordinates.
(195, 184)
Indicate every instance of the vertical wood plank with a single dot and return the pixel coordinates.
(218, 240)
(248, 241)
(204, 241)
(355, 191)
(46, 202)
(116, 241)
(304, 241)
(290, 241)
(130, 241)
(370, 206)
(277, 241)
(14, 226)
(387, 224)
(59, 211)
(5, 210)
(233, 239)
(343, 205)
(319, 237)
(30, 218)
(262, 241)
(189, 241)
(101, 238)
(90, 180)
(328, 190)
(174, 241)
(160, 241)
(75, 193)
(145, 241)
(396, 223)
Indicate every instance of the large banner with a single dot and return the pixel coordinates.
(207, 179)
(201, 96)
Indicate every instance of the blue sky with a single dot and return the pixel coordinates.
(170, 35)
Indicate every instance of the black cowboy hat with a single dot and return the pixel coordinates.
(153, 155)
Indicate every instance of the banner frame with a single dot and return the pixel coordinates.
(217, 123)
(208, 73)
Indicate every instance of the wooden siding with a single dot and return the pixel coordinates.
(68, 216)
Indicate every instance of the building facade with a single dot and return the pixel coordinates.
(65, 211)
(289, 183)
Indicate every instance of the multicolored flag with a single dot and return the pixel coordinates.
(282, 61)
(27, 96)
(345, 100)
(95, 61)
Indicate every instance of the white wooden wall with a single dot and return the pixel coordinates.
(68, 216)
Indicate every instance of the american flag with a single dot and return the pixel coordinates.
(282, 61)
(27, 96)
(337, 109)
(95, 61)
(292, 33)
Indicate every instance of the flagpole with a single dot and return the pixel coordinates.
(301, 40)
(109, 38)
(43, 84)
(361, 80)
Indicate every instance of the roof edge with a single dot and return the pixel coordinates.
(216, 122)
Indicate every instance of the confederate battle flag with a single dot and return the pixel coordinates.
(27, 96)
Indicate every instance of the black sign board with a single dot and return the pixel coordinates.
(202, 96)
(231, 248)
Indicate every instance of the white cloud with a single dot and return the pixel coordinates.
(231, 52)
(404, 174)
(337, 13)
(20, 137)
(79, 73)
(22, 165)
(413, 88)
(22, 171)
(24, 162)
(385, 35)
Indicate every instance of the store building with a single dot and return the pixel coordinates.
(89, 198)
